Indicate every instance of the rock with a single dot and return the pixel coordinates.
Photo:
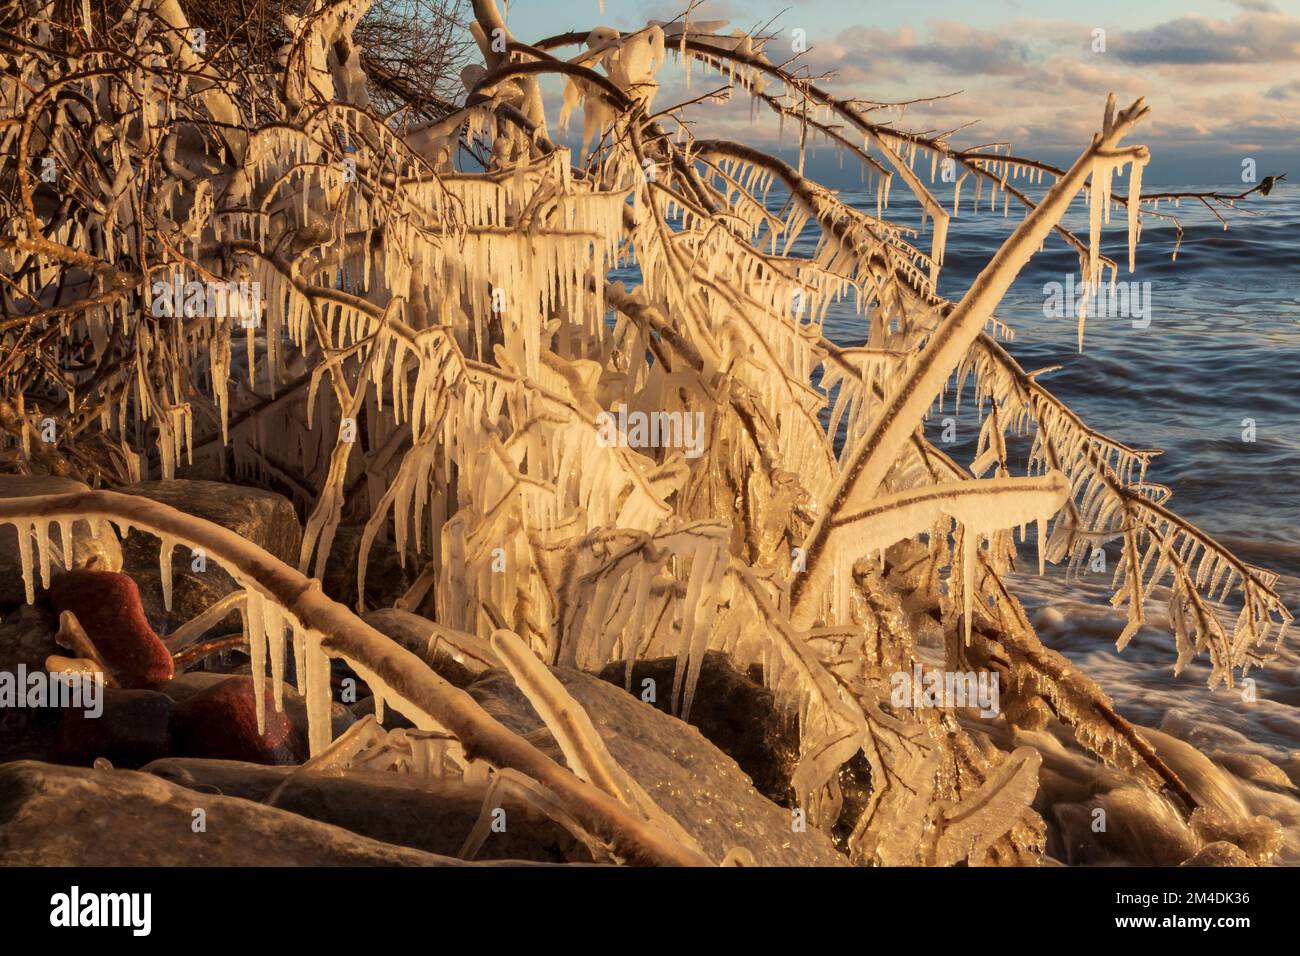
(393, 720)
(26, 639)
(686, 775)
(221, 722)
(185, 686)
(107, 605)
(133, 729)
(423, 813)
(455, 656)
(386, 579)
(70, 816)
(737, 715)
(263, 517)
(103, 554)
(1220, 853)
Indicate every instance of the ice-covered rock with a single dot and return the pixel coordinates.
(263, 517)
(687, 776)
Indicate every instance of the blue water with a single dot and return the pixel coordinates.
(1223, 345)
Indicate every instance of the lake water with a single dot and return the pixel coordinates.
(1222, 346)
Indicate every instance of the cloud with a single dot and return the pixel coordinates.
(1252, 37)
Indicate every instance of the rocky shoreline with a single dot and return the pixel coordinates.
(173, 764)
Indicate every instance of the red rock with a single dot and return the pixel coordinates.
(221, 722)
(107, 604)
(133, 729)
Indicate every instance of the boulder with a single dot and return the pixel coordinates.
(424, 813)
(221, 722)
(185, 686)
(262, 517)
(107, 605)
(70, 816)
(687, 776)
(386, 579)
(133, 729)
(457, 657)
(26, 639)
(103, 553)
(736, 714)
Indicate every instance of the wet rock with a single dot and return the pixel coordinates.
(107, 605)
(87, 551)
(69, 816)
(737, 715)
(744, 720)
(423, 813)
(690, 778)
(221, 722)
(133, 728)
(386, 579)
(263, 517)
(185, 686)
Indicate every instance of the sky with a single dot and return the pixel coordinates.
(1222, 77)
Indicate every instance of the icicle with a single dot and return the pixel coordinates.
(42, 531)
(319, 696)
(65, 538)
(274, 629)
(165, 549)
(300, 658)
(25, 557)
(1134, 202)
(254, 630)
(970, 545)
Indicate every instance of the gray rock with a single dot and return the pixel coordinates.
(738, 715)
(71, 816)
(386, 579)
(26, 639)
(686, 775)
(104, 554)
(431, 815)
(260, 516)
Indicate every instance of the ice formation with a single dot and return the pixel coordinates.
(434, 346)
